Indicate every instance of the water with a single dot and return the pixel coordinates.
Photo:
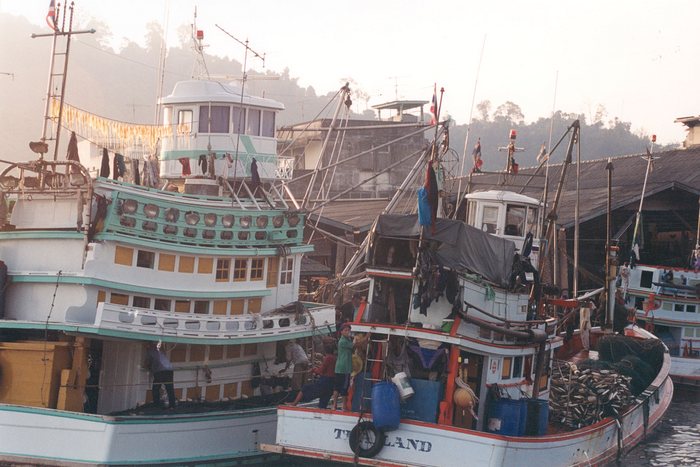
(676, 441)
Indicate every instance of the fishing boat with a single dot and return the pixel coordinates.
(665, 298)
(466, 356)
(93, 269)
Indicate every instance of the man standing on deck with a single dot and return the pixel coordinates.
(162, 370)
(295, 355)
(350, 309)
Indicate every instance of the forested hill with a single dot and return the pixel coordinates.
(121, 85)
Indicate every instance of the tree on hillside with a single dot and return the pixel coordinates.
(509, 111)
(484, 109)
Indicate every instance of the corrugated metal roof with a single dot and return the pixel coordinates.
(679, 169)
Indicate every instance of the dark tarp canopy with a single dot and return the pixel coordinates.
(461, 247)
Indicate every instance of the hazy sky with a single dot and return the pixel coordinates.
(640, 59)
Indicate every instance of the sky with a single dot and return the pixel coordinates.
(639, 59)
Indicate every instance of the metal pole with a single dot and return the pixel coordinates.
(606, 291)
(577, 227)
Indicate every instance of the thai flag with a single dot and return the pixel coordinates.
(51, 15)
(434, 107)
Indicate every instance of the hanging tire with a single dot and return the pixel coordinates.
(366, 440)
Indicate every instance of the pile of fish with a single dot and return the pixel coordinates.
(581, 397)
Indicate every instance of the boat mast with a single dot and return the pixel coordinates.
(50, 96)
(637, 221)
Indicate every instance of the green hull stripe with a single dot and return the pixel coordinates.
(91, 330)
(80, 280)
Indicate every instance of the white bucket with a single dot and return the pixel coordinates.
(402, 382)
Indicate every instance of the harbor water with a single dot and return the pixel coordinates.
(675, 442)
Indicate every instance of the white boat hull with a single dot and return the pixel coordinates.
(424, 444)
(59, 437)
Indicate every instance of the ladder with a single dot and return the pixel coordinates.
(58, 71)
(374, 368)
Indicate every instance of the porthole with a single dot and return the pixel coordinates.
(127, 221)
(208, 234)
(151, 210)
(172, 215)
(261, 222)
(149, 226)
(210, 219)
(192, 218)
(213, 325)
(260, 235)
(226, 235)
(292, 234)
(242, 235)
(277, 221)
(129, 206)
(245, 221)
(293, 220)
(190, 232)
(227, 220)
(170, 230)
(232, 325)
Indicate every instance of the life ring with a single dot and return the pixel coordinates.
(366, 440)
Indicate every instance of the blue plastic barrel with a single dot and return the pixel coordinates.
(386, 406)
(504, 417)
(537, 417)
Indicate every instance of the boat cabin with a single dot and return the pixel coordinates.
(218, 131)
(506, 214)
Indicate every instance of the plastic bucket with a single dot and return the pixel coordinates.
(386, 406)
(403, 385)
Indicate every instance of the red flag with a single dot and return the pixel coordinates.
(51, 15)
(434, 106)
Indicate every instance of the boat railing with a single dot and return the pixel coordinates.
(285, 167)
(166, 323)
(44, 176)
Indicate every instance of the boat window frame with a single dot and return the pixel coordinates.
(267, 125)
(208, 126)
(252, 124)
(519, 223)
(185, 126)
(481, 217)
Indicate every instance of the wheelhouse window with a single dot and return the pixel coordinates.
(162, 304)
(471, 213)
(489, 219)
(515, 220)
(532, 221)
(238, 119)
(214, 119)
(268, 124)
(141, 302)
(253, 123)
(184, 120)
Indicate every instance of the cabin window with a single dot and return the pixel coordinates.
(257, 267)
(517, 367)
(678, 307)
(184, 120)
(268, 124)
(531, 221)
(118, 299)
(253, 123)
(515, 220)
(489, 219)
(220, 307)
(240, 269)
(238, 118)
(123, 256)
(223, 267)
(646, 279)
(166, 262)
(186, 264)
(505, 369)
(214, 119)
(201, 307)
(272, 270)
(204, 265)
(161, 304)
(141, 302)
(182, 306)
(287, 270)
(145, 259)
(254, 305)
(237, 306)
(690, 308)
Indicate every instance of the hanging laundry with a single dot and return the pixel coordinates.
(104, 167)
(210, 165)
(476, 155)
(119, 166)
(185, 162)
(135, 170)
(203, 163)
(72, 154)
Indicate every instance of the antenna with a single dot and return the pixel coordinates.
(245, 77)
(200, 65)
